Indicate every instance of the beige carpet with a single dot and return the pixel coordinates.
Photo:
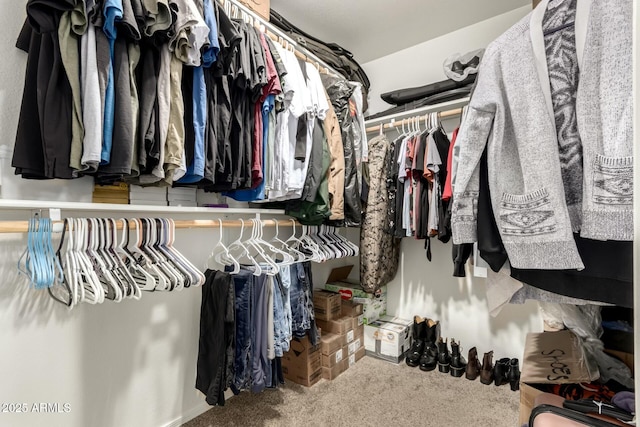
(373, 393)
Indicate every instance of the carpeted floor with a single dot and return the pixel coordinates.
(373, 393)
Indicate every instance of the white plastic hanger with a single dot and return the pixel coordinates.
(238, 244)
(220, 253)
(143, 279)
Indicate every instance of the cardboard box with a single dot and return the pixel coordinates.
(358, 321)
(550, 358)
(356, 356)
(339, 326)
(356, 345)
(326, 305)
(333, 372)
(261, 7)
(331, 343)
(373, 305)
(351, 309)
(334, 358)
(387, 341)
(302, 364)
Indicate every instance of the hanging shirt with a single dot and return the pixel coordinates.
(90, 85)
(210, 53)
(433, 164)
(72, 25)
(112, 13)
(158, 16)
(190, 33)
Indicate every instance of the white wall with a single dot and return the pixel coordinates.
(422, 64)
(126, 364)
(428, 289)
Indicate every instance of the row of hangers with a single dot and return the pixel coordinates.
(413, 126)
(317, 244)
(95, 262)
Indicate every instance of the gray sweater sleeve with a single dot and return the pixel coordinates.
(472, 139)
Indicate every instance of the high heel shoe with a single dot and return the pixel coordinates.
(486, 373)
(500, 371)
(514, 375)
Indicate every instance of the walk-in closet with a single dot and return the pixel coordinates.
(290, 213)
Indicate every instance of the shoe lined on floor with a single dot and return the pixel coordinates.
(429, 358)
(458, 363)
(486, 373)
(514, 375)
(500, 371)
(444, 359)
(473, 365)
(419, 335)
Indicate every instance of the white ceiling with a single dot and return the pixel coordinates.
(371, 29)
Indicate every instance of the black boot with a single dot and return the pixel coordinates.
(444, 359)
(429, 358)
(473, 366)
(458, 364)
(514, 375)
(500, 371)
(419, 335)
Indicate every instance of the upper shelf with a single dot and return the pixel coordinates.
(443, 106)
(106, 207)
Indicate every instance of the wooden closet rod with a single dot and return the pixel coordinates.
(278, 35)
(23, 226)
(441, 115)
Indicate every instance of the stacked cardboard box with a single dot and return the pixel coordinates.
(342, 339)
(116, 193)
(326, 305)
(374, 305)
(388, 338)
(182, 196)
(302, 364)
(148, 196)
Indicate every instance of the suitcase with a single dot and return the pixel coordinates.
(553, 416)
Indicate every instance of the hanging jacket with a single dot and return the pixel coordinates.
(340, 92)
(379, 254)
(511, 113)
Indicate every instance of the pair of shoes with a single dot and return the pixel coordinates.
(507, 371)
(423, 351)
(453, 363)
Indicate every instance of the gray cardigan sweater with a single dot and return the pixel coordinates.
(511, 113)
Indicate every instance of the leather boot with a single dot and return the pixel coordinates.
(419, 335)
(458, 364)
(429, 358)
(473, 366)
(486, 373)
(514, 375)
(444, 359)
(500, 371)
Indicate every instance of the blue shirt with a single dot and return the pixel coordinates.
(112, 13)
(210, 55)
(195, 171)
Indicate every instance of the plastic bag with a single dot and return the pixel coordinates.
(458, 67)
(585, 322)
